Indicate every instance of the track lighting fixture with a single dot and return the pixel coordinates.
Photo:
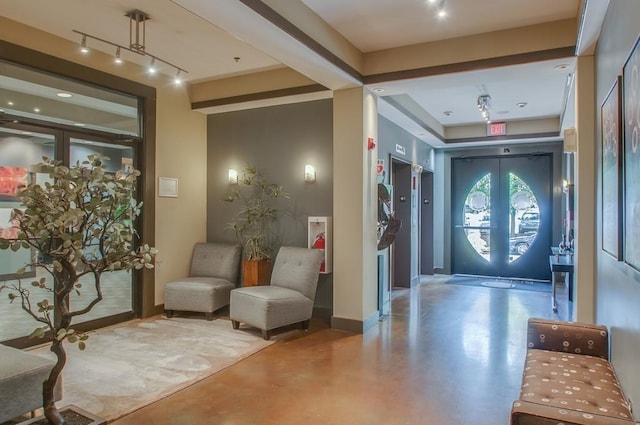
(137, 40)
(483, 107)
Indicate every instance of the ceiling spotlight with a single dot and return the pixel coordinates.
(448, 113)
(10, 103)
(64, 94)
(378, 90)
(152, 66)
(83, 45)
(442, 13)
(36, 110)
(521, 104)
(178, 79)
(561, 67)
(118, 59)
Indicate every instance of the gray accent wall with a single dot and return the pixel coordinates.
(617, 284)
(278, 141)
(415, 152)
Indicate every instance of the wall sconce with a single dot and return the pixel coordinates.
(233, 176)
(309, 173)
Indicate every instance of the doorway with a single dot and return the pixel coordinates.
(501, 216)
(21, 147)
(402, 200)
(426, 223)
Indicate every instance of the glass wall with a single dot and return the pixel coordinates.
(37, 95)
(44, 115)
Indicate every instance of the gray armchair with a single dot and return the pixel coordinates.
(287, 300)
(214, 273)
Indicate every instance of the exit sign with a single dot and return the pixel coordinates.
(497, 129)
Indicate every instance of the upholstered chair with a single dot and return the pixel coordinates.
(214, 273)
(288, 299)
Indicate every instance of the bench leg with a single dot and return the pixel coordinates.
(235, 324)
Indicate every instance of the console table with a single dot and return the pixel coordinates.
(561, 263)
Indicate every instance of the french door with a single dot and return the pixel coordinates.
(21, 148)
(501, 216)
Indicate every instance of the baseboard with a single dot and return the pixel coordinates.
(354, 325)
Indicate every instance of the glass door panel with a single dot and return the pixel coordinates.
(116, 286)
(20, 150)
(501, 216)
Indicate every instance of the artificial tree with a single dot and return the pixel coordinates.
(79, 224)
(252, 223)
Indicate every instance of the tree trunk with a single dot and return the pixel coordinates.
(48, 386)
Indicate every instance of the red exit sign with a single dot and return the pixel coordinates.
(497, 129)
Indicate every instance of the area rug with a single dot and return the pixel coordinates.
(127, 367)
(500, 283)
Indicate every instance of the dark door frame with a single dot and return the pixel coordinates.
(400, 176)
(425, 242)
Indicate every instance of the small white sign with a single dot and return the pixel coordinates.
(400, 149)
(167, 187)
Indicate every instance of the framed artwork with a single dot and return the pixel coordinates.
(631, 95)
(11, 178)
(611, 127)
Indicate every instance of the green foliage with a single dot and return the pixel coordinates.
(251, 223)
(80, 225)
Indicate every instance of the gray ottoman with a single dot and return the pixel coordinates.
(21, 377)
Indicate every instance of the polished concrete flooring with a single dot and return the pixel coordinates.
(447, 354)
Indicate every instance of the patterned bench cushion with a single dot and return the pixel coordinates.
(572, 381)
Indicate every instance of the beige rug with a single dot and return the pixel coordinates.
(128, 366)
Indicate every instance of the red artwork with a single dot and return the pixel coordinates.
(11, 178)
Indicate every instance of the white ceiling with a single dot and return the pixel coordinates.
(196, 35)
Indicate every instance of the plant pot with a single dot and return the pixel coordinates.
(73, 415)
(256, 272)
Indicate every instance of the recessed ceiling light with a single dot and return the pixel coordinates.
(448, 113)
(36, 109)
(561, 67)
(378, 90)
(63, 94)
(10, 103)
(521, 104)
(27, 133)
(79, 124)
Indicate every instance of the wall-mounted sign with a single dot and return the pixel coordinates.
(400, 149)
(380, 167)
(497, 129)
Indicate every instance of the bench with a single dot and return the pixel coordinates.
(568, 378)
(21, 377)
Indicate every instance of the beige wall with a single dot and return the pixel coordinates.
(180, 150)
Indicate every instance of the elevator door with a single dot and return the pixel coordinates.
(501, 216)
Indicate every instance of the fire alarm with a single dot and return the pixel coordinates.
(371, 144)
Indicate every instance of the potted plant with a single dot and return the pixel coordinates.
(80, 224)
(252, 223)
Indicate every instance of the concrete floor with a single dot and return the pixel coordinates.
(446, 355)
